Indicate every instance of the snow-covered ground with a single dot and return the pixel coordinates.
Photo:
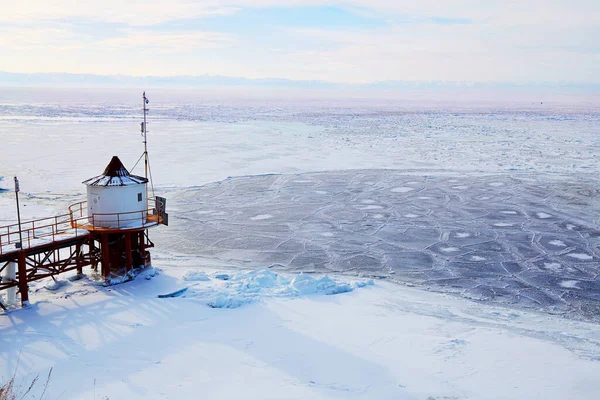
(376, 342)
(471, 190)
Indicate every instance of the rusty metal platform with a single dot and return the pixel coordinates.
(51, 246)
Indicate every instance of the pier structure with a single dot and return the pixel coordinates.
(108, 231)
(114, 240)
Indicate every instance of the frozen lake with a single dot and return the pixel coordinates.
(495, 201)
(513, 240)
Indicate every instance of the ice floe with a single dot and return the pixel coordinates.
(249, 287)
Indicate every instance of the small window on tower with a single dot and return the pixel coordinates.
(139, 197)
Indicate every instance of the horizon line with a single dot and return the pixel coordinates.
(44, 78)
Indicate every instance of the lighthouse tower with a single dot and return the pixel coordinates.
(118, 214)
(117, 199)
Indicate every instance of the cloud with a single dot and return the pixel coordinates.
(65, 39)
(470, 40)
(148, 12)
(23, 38)
(170, 42)
(130, 12)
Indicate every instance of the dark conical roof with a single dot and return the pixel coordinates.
(115, 168)
(115, 174)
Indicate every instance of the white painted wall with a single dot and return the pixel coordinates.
(10, 274)
(117, 199)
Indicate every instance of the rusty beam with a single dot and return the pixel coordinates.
(79, 260)
(128, 255)
(23, 287)
(105, 256)
(55, 267)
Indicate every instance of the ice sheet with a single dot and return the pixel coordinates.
(194, 140)
(519, 240)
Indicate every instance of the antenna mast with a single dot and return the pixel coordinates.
(144, 131)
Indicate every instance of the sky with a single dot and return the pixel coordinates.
(344, 41)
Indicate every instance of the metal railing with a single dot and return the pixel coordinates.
(44, 228)
(74, 223)
(105, 221)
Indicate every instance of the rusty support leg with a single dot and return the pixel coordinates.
(142, 248)
(92, 247)
(105, 257)
(23, 287)
(78, 258)
(147, 246)
(128, 254)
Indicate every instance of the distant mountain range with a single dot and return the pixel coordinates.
(11, 79)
